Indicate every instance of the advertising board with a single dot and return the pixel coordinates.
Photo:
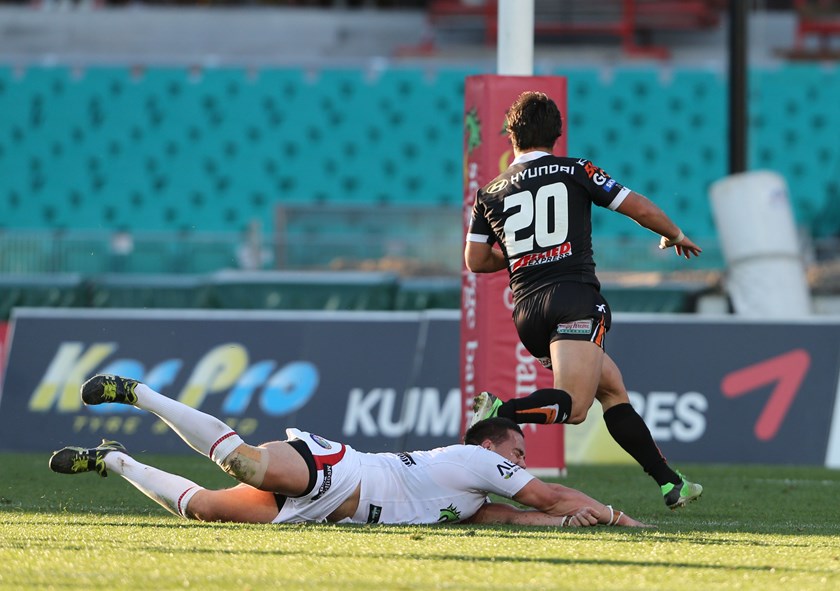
(710, 390)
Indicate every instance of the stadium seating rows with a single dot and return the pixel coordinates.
(209, 150)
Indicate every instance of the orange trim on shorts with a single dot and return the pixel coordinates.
(600, 333)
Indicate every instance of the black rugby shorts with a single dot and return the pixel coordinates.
(563, 311)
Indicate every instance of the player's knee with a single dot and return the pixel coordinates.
(201, 508)
(576, 418)
(247, 464)
(579, 412)
(208, 505)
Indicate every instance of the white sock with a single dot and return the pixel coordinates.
(204, 433)
(170, 491)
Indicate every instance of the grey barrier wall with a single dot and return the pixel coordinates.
(716, 391)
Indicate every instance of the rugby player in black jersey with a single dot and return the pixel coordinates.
(538, 211)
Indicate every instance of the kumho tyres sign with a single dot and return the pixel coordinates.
(380, 382)
(722, 389)
(716, 390)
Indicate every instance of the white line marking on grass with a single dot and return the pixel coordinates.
(799, 481)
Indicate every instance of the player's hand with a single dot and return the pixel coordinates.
(684, 246)
(585, 517)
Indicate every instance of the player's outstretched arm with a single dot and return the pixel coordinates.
(506, 514)
(558, 500)
(648, 215)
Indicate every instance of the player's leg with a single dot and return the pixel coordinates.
(205, 433)
(241, 504)
(629, 430)
(576, 365)
(542, 407)
(564, 327)
(176, 494)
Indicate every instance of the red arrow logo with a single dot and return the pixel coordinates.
(787, 371)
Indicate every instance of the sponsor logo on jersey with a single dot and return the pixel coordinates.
(591, 169)
(497, 186)
(374, 513)
(326, 484)
(538, 171)
(598, 176)
(538, 258)
(451, 513)
(406, 459)
(320, 441)
(576, 327)
(507, 469)
(609, 184)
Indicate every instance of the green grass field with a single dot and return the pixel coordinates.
(756, 527)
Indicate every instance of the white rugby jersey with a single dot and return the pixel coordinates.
(440, 485)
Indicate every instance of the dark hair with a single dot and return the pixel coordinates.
(533, 121)
(496, 429)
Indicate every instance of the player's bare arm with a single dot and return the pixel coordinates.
(558, 500)
(507, 514)
(648, 215)
(483, 258)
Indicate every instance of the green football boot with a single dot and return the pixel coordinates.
(485, 406)
(679, 495)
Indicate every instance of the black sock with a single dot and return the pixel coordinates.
(543, 406)
(632, 434)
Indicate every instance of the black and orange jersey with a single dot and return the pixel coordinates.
(539, 210)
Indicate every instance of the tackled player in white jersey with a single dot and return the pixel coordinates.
(308, 478)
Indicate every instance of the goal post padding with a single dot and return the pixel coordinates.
(492, 358)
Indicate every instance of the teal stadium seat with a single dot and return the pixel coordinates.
(33, 103)
(444, 126)
(164, 98)
(583, 120)
(13, 110)
(173, 149)
(331, 114)
(696, 137)
(241, 141)
(584, 130)
(633, 129)
(276, 104)
(400, 99)
(794, 132)
(229, 157)
(98, 173)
